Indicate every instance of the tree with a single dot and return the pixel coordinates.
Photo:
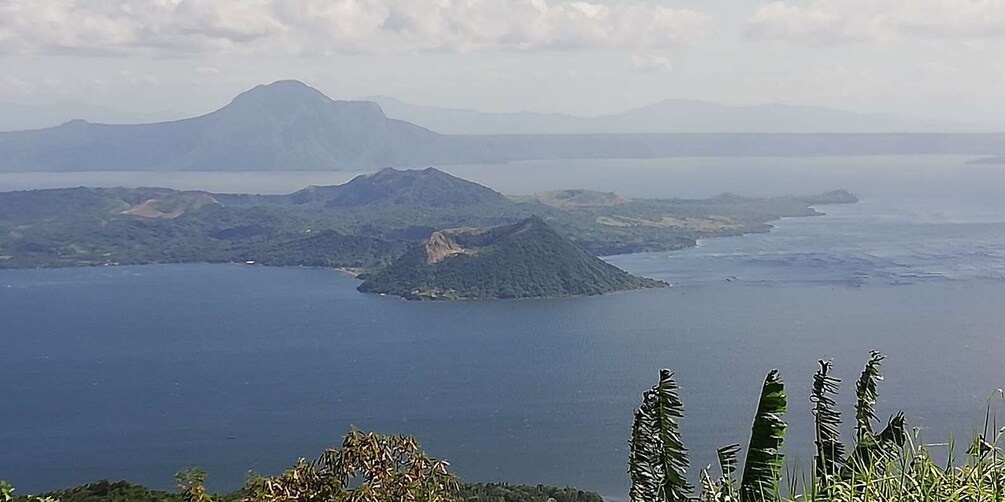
(368, 467)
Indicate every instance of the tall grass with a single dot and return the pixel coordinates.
(912, 475)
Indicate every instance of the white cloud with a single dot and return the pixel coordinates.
(189, 27)
(838, 21)
(15, 85)
(651, 63)
(208, 71)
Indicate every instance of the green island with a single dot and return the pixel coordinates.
(525, 259)
(385, 227)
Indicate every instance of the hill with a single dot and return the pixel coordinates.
(414, 188)
(523, 260)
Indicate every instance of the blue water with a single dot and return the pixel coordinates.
(137, 372)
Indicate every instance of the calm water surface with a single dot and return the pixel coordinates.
(137, 372)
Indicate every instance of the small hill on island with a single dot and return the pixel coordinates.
(522, 260)
(428, 187)
(576, 198)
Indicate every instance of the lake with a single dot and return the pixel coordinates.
(137, 372)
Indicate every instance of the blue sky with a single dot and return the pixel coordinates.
(926, 58)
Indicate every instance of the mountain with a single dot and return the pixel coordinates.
(19, 117)
(285, 125)
(523, 260)
(669, 116)
(427, 188)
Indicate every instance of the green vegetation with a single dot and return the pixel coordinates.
(367, 467)
(123, 491)
(496, 492)
(882, 466)
(524, 260)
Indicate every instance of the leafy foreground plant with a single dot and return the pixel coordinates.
(369, 467)
(878, 468)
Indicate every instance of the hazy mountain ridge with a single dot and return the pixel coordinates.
(289, 126)
(666, 117)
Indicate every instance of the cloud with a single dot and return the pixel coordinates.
(192, 27)
(15, 85)
(844, 21)
(651, 63)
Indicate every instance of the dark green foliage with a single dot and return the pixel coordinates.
(658, 459)
(894, 435)
(501, 492)
(122, 491)
(524, 260)
(830, 450)
(762, 470)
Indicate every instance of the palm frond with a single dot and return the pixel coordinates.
(867, 393)
(643, 466)
(763, 467)
(658, 459)
(830, 451)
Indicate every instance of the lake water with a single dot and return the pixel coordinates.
(137, 372)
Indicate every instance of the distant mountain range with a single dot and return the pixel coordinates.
(289, 126)
(665, 117)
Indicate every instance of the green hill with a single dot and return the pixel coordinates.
(523, 260)
(426, 188)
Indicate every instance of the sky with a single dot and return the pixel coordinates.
(923, 58)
